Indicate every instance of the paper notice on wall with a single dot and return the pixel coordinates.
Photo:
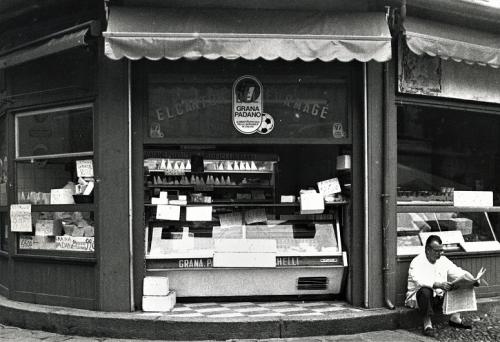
(255, 216)
(168, 212)
(231, 220)
(61, 196)
(199, 213)
(20, 218)
(329, 187)
(84, 168)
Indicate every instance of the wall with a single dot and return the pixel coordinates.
(425, 75)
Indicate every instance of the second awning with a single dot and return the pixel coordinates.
(156, 33)
(447, 41)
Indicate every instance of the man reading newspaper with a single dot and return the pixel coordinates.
(430, 276)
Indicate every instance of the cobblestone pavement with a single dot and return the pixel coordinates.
(485, 328)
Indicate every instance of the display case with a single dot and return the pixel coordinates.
(462, 229)
(215, 226)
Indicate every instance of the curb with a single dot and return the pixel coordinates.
(155, 326)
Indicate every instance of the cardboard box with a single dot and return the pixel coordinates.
(159, 303)
(312, 203)
(155, 286)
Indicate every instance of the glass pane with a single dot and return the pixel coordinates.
(4, 231)
(442, 150)
(53, 132)
(62, 231)
(460, 231)
(299, 109)
(36, 180)
(3, 160)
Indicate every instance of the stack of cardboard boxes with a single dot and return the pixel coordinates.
(157, 295)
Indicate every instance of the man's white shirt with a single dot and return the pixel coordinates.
(422, 273)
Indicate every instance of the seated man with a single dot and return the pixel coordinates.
(427, 282)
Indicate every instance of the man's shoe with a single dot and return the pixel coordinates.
(429, 331)
(460, 325)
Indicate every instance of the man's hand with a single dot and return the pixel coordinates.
(444, 285)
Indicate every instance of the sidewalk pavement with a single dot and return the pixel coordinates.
(13, 334)
(275, 321)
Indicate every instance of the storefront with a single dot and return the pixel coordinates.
(221, 182)
(447, 160)
(200, 148)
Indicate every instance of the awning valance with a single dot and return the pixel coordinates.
(43, 47)
(448, 41)
(156, 33)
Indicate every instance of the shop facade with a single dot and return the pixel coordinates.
(202, 136)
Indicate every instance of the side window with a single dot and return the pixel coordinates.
(54, 173)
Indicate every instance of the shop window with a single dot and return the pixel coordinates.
(446, 157)
(54, 173)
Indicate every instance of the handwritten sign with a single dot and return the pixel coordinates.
(20, 218)
(329, 186)
(74, 243)
(84, 168)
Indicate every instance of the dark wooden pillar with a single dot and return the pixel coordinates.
(375, 101)
(112, 159)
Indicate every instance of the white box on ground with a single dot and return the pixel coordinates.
(473, 198)
(244, 259)
(155, 286)
(159, 303)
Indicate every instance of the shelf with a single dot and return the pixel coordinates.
(259, 204)
(62, 207)
(193, 186)
(443, 209)
(182, 172)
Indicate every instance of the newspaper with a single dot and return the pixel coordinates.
(462, 297)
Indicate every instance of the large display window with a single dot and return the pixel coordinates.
(448, 162)
(54, 173)
(244, 208)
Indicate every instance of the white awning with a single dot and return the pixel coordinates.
(43, 48)
(157, 33)
(448, 41)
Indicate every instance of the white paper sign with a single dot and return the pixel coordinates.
(61, 196)
(20, 218)
(199, 213)
(168, 212)
(473, 198)
(74, 243)
(329, 186)
(84, 168)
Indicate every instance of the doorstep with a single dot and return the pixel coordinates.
(217, 321)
